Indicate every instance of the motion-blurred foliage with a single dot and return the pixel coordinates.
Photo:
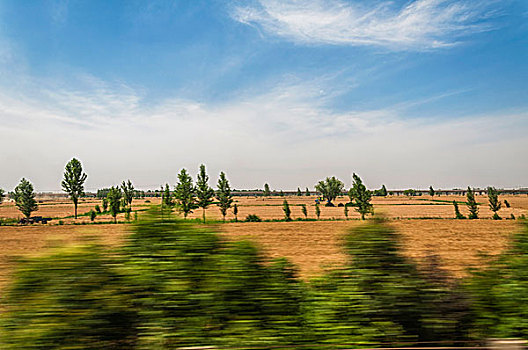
(174, 284)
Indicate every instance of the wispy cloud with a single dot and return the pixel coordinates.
(417, 25)
(296, 138)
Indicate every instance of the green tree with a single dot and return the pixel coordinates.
(166, 197)
(204, 193)
(471, 204)
(458, 214)
(73, 182)
(185, 193)
(25, 198)
(2, 195)
(304, 211)
(267, 191)
(299, 193)
(330, 188)
(281, 193)
(235, 212)
(317, 210)
(361, 197)
(93, 214)
(287, 211)
(114, 198)
(431, 191)
(494, 202)
(223, 195)
(346, 211)
(307, 192)
(128, 192)
(105, 203)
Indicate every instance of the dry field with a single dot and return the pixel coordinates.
(311, 245)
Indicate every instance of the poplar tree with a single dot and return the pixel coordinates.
(235, 212)
(185, 193)
(494, 202)
(471, 204)
(2, 195)
(267, 191)
(128, 192)
(287, 211)
(299, 193)
(25, 198)
(317, 210)
(307, 192)
(360, 196)
(166, 196)
(304, 211)
(431, 191)
(73, 182)
(458, 214)
(223, 195)
(204, 193)
(346, 211)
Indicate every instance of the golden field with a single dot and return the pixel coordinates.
(425, 226)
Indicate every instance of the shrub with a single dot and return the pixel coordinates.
(98, 209)
(253, 218)
(92, 215)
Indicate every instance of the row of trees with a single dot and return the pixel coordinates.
(172, 285)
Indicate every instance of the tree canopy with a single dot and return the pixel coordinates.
(330, 188)
(73, 182)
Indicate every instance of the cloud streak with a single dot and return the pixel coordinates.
(417, 25)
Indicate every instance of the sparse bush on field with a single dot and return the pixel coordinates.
(253, 218)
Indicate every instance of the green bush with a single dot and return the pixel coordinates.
(253, 218)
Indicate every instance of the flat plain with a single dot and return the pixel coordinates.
(426, 226)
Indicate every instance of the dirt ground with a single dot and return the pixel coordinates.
(311, 245)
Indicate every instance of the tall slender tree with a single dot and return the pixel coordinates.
(267, 191)
(204, 193)
(494, 202)
(299, 193)
(73, 182)
(471, 204)
(128, 192)
(223, 194)
(114, 198)
(431, 192)
(166, 196)
(287, 211)
(307, 192)
(2, 195)
(235, 212)
(185, 193)
(304, 211)
(25, 198)
(317, 210)
(360, 196)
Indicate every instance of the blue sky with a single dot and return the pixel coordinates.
(405, 93)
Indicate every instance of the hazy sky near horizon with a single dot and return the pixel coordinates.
(405, 93)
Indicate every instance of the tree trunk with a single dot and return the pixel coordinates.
(75, 204)
(203, 212)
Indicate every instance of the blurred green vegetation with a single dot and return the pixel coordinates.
(176, 284)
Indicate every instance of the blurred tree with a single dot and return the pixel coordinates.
(2, 195)
(304, 211)
(317, 210)
(235, 212)
(458, 214)
(307, 192)
(73, 182)
(299, 193)
(431, 191)
(267, 191)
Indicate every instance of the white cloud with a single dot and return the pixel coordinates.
(419, 24)
(286, 137)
